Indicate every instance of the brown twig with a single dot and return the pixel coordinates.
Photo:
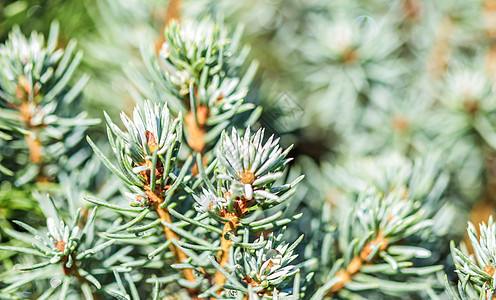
(155, 199)
(197, 130)
(172, 12)
(241, 206)
(164, 215)
(223, 255)
(34, 144)
(441, 50)
(412, 10)
(35, 147)
(196, 133)
(490, 31)
(74, 269)
(357, 262)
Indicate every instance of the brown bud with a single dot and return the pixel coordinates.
(202, 115)
(412, 10)
(471, 107)
(247, 177)
(489, 270)
(219, 99)
(19, 92)
(249, 280)
(60, 245)
(350, 56)
(270, 264)
(23, 82)
(150, 140)
(400, 123)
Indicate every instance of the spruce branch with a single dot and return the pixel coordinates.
(268, 269)
(203, 205)
(468, 111)
(372, 235)
(353, 48)
(441, 51)
(173, 11)
(37, 96)
(476, 273)
(247, 171)
(229, 229)
(65, 249)
(164, 215)
(147, 154)
(199, 71)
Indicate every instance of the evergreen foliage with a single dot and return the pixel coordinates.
(38, 106)
(476, 273)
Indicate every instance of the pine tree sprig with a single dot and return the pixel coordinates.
(476, 272)
(38, 97)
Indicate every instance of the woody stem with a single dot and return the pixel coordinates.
(196, 126)
(223, 255)
(441, 50)
(34, 144)
(35, 147)
(173, 11)
(356, 263)
(164, 215)
(74, 271)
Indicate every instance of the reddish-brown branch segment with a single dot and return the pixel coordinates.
(197, 130)
(241, 206)
(441, 50)
(490, 31)
(34, 144)
(491, 61)
(490, 271)
(156, 199)
(412, 10)
(357, 262)
(172, 12)
(74, 269)
(223, 255)
(163, 214)
(35, 147)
